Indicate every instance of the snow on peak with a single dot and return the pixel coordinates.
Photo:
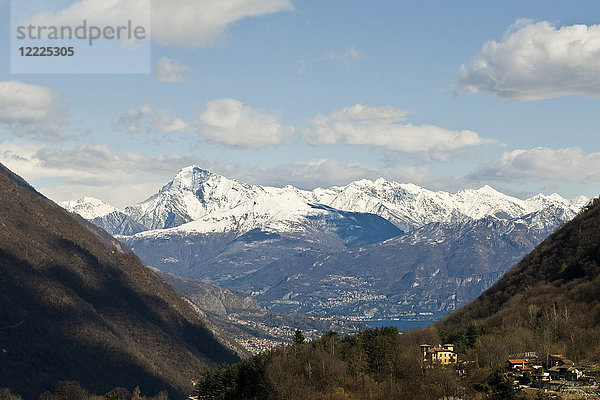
(210, 202)
(88, 207)
(541, 201)
(189, 178)
(488, 190)
(191, 195)
(579, 202)
(478, 203)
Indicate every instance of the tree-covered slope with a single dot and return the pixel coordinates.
(76, 305)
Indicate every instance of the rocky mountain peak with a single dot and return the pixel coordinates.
(88, 207)
(190, 178)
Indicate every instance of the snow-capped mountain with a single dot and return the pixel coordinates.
(88, 207)
(200, 201)
(104, 215)
(410, 206)
(191, 195)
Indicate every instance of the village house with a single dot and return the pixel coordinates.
(565, 372)
(561, 368)
(442, 354)
(561, 374)
(557, 360)
(520, 364)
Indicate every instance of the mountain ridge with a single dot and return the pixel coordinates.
(76, 304)
(195, 194)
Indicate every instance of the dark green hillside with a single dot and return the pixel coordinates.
(75, 305)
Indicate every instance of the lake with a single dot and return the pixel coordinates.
(402, 325)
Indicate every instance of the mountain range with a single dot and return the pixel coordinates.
(371, 249)
(217, 204)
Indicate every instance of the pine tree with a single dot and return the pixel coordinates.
(298, 337)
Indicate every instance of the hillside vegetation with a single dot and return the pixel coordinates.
(76, 305)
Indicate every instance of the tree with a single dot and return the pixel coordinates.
(6, 394)
(66, 390)
(298, 337)
(117, 393)
(492, 351)
(502, 388)
(137, 394)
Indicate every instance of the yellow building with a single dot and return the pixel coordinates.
(442, 354)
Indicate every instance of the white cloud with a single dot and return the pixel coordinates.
(537, 60)
(149, 119)
(367, 114)
(180, 23)
(93, 170)
(201, 23)
(380, 126)
(94, 164)
(542, 163)
(106, 12)
(32, 111)
(229, 122)
(171, 71)
(226, 122)
(346, 57)
(327, 172)
(174, 125)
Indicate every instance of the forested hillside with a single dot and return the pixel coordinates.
(76, 305)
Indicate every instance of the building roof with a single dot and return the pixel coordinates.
(558, 368)
(519, 361)
(562, 358)
(437, 349)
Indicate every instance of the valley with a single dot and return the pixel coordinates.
(368, 250)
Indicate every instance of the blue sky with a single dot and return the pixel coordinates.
(320, 93)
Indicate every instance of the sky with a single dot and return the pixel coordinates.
(316, 93)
